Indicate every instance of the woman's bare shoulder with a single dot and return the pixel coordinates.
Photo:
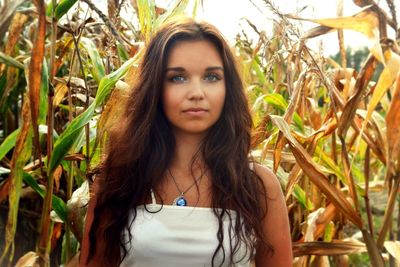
(271, 182)
(275, 224)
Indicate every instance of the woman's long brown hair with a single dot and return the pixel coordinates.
(139, 153)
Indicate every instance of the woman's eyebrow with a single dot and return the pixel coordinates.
(177, 69)
(215, 68)
(180, 69)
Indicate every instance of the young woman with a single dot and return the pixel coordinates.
(177, 186)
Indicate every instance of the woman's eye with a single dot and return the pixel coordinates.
(177, 79)
(212, 77)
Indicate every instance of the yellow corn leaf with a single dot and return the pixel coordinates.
(389, 74)
(365, 22)
(60, 91)
(393, 247)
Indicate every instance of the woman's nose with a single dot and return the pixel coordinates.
(196, 90)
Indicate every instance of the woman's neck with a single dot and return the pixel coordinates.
(187, 148)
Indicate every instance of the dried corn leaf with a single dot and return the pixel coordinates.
(21, 155)
(29, 259)
(312, 170)
(351, 106)
(77, 206)
(389, 212)
(35, 70)
(14, 32)
(336, 247)
(290, 111)
(293, 180)
(296, 172)
(312, 224)
(393, 130)
(317, 31)
(373, 249)
(112, 113)
(6, 11)
(324, 219)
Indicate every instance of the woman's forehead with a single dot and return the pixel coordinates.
(199, 52)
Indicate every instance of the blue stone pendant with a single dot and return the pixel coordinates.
(180, 201)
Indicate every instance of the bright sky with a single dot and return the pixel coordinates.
(227, 16)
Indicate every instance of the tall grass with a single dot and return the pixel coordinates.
(329, 132)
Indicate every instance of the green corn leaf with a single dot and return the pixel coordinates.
(279, 102)
(3, 82)
(177, 9)
(8, 143)
(300, 195)
(258, 102)
(195, 7)
(10, 61)
(61, 8)
(123, 55)
(68, 138)
(73, 246)
(329, 232)
(44, 89)
(58, 204)
(147, 14)
(81, 140)
(260, 74)
(97, 69)
(331, 166)
(108, 81)
(276, 100)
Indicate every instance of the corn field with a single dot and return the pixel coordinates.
(330, 133)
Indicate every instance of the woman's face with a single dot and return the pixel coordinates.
(194, 87)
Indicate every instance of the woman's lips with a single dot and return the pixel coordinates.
(195, 111)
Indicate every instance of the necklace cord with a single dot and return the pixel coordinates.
(176, 184)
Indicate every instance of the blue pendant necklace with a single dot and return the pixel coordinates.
(181, 200)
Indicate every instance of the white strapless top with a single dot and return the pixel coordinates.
(178, 236)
